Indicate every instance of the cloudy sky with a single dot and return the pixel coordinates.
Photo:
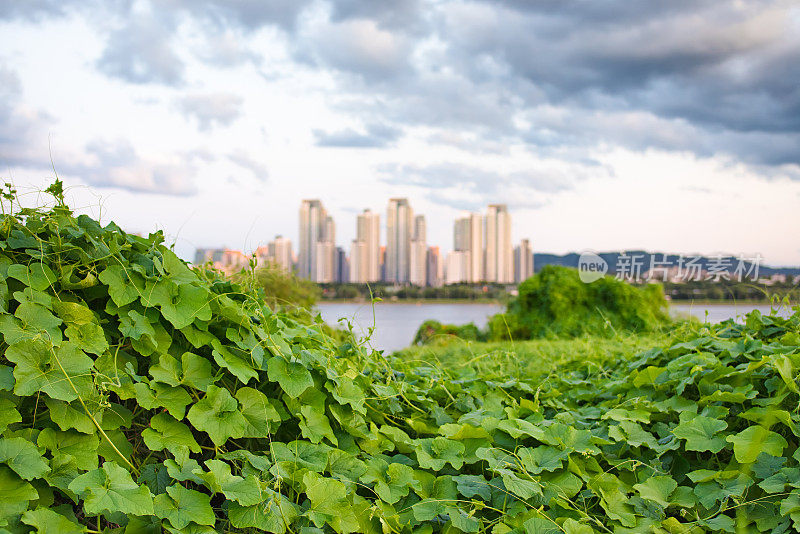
(669, 126)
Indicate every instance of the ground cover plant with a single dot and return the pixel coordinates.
(137, 395)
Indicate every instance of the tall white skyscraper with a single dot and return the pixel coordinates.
(399, 217)
(365, 251)
(468, 237)
(499, 266)
(418, 253)
(456, 269)
(317, 243)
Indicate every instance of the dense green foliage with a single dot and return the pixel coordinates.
(556, 303)
(138, 396)
(533, 359)
(281, 288)
(433, 332)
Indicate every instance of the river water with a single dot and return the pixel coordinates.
(397, 322)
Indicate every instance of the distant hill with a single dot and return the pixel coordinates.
(571, 260)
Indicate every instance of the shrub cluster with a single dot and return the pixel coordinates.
(556, 303)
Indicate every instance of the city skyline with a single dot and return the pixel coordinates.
(482, 249)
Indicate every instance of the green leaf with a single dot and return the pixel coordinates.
(218, 415)
(62, 373)
(293, 377)
(700, 432)
(273, 514)
(473, 486)
(180, 304)
(73, 313)
(36, 275)
(68, 416)
(261, 416)
(6, 377)
(37, 318)
(329, 502)
(183, 468)
(315, 425)
(392, 482)
(301, 453)
(197, 371)
(89, 337)
(657, 489)
(754, 440)
(543, 458)
(46, 521)
(124, 286)
(166, 433)
(238, 366)
(12, 330)
(539, 525)
(219, 479)
(633, 434)
(157, 395)
(81, 447)
(14, 493)
(181, 506)
(519, 487)
(167, 370)
(516, 428)
(156, 477)
(434, 453)
(136, 326)
(192, 370)
(111, 489)
(23, 457)
(8, 414)
(462, 521)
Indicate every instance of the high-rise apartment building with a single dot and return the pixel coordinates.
(468, 237)
(499, 256)
(399, 231)
(316, 259)
(456, 268)
(418, 253)
(341, 266)
(365, 249)
(523, 261)
(433, 267)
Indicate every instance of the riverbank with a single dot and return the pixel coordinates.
(397, 321)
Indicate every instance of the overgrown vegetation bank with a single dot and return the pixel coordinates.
(137, 395)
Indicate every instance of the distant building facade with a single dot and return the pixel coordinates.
(468, 237)
(365, 249)
(499, 263)
(523, 261)
(433, 267)
(418, 254)
(457, 267)
(316, 256)
(399, 229)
